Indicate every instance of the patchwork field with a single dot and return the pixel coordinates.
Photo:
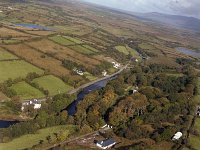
(27, 141)
(62, 52)
(26, 91)
(53, 84)
(82, 49)
(12, 33)
(89, 76)
(21, 69)
(39, 59)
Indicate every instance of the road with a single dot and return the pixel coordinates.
(100, 79)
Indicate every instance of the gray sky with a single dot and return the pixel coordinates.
(179, 7)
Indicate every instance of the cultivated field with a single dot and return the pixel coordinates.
(26, 91)
(16, 69)
(53, 84)
(4, 55)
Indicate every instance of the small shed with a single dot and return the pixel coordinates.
(105, 144)
(177, 136)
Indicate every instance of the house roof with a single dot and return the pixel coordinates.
(107, 142)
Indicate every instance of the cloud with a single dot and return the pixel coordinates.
(179, 7)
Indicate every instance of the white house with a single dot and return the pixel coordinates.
(1, 11)
(116, 65)
(37, 106)
(78, 71)
(104, 73)
(177, 136)
(10, 8)
(105, 144)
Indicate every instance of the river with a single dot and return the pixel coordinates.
(5, 124)
(188, 52)
(72, 107)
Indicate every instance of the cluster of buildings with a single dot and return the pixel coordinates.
(79, 72)
(116, 65)
(35, 103)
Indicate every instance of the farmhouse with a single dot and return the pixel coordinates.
(105, 144)
(177, 136)
(104, 73)
(78, 71)
(35, 103)
(198, 111)
(116, 65)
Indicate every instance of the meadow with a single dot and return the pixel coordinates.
(26, 91)
(194, 140)
(53, 84)
(29, 140)
(21, 69)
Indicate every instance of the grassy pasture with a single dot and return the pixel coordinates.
(27, 141)
(89, 76)
(91, 48)
(122, 49)
(75, 40)
(26, 91)
(82, 49)
(53, 84)
(15, 69)
(127, 50)
(61, 40)
(6, 55)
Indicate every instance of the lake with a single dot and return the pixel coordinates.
(33, 26)
(188, 52)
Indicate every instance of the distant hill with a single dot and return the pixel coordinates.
(190, 23)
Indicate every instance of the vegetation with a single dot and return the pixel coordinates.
(61, 40)
(56, 133)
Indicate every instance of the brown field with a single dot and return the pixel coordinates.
(3, 97)
(62, 52)
(163, 61)
(38, 59)
(9, 32)
(40, 33)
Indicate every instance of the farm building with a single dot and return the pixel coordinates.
(35, 103)
(177, 136)
(116, 65)
(105, 144)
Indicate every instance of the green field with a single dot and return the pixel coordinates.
(82, 49)
(26, 91)
(27, 141)
(89, 76)
(53, 84)
(61, 40)
(91, 48)
(75, 40)
(11, 41)
(122, 49)
(15, 69)
(127, 50)
(6, 55)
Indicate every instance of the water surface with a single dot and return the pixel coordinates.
(188, 52)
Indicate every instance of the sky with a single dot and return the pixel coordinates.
(176, 7)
